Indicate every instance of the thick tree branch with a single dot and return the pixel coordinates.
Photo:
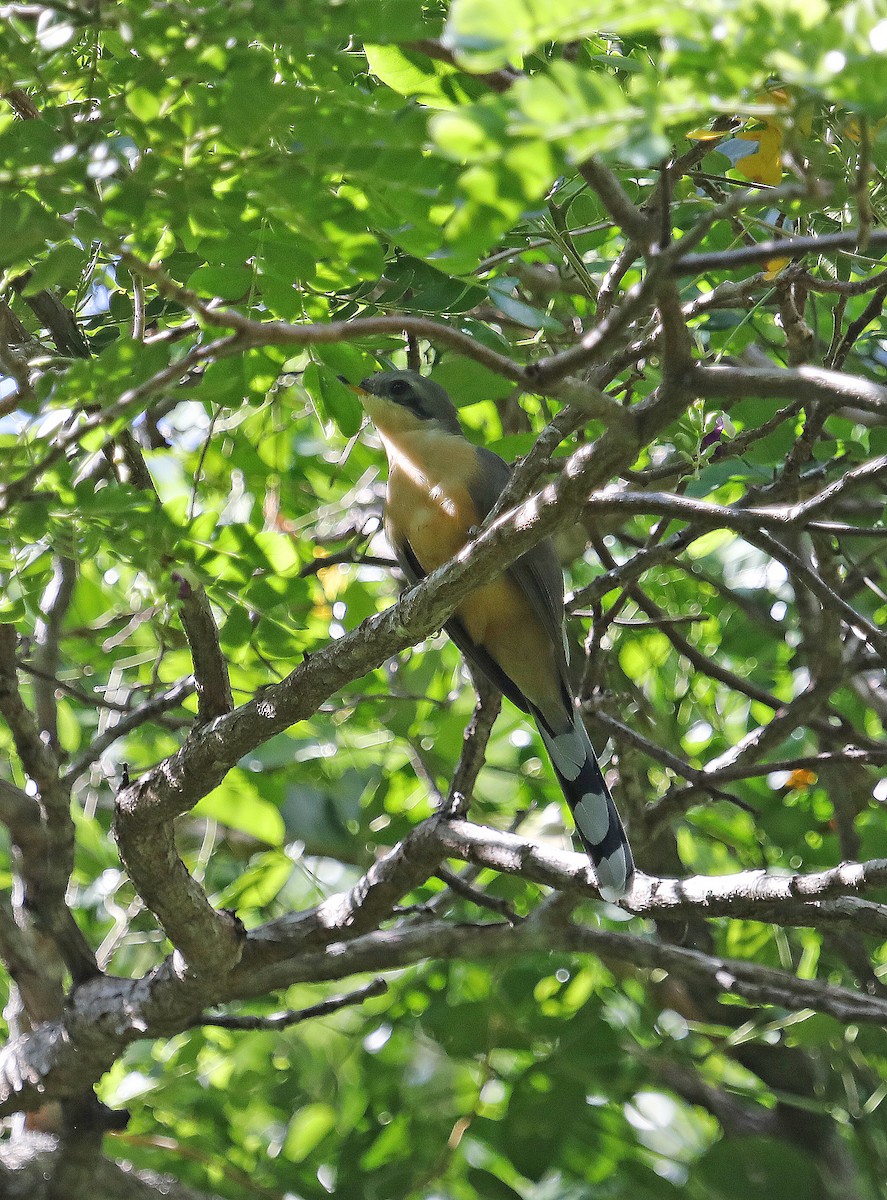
(28, 1163)
(34, 972)
(47, 879)
(362, 907)
(341, 937)
(757, 895)
(209, 941)
(20, 813)
(758, 984)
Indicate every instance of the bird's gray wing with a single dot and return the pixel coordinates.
(475, 654)
(537, 573)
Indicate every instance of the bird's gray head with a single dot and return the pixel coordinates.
(412, 394)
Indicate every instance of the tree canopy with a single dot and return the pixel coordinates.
(289, 906)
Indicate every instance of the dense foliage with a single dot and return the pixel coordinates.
(566, 214)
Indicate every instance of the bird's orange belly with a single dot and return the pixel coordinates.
(497, 615)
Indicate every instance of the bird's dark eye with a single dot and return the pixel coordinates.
(400, 388)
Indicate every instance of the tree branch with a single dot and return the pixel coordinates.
(798, 383)
(341, 937)
(28, 1162)
(788, 247)
(294, 1016)
(58, 320)
(149, 710)
(210, 666)
(209, 941)
(757, 895)
(47, 633)
(390, 950)
(46, 881)
(474, 746)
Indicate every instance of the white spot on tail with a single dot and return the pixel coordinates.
(612, 875)
(567, 753)
(592, 816)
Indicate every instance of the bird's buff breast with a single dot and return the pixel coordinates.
(435, 522)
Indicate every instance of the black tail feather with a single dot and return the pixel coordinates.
(597, 821)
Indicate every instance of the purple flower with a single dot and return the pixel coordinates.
(713, 436)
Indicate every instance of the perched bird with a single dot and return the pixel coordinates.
(440, 487)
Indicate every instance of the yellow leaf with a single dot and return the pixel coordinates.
(853, 129)
(763, 165)
(773, 266)
(704, 135)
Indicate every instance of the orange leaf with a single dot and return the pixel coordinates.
(801, 780)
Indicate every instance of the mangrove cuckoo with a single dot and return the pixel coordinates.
(440, 487)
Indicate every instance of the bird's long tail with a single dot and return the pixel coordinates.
(597, 821)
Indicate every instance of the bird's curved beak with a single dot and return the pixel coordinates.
(383, 413)
(360, 389)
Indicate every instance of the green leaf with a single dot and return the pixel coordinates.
(335, 401)
(524, 314)
(412, 74)
(226, 283)
(309, 1126)
(583, 111)
(25, 227)
(143, 103)
(238, 805)
(347, 360)
(468, 381)
(62, 265)
(260, 884)
(757, 1165)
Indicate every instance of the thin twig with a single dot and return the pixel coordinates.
(149, 710)
(293, 1016)
(474, 746)
(47, 634)
(788, 247)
